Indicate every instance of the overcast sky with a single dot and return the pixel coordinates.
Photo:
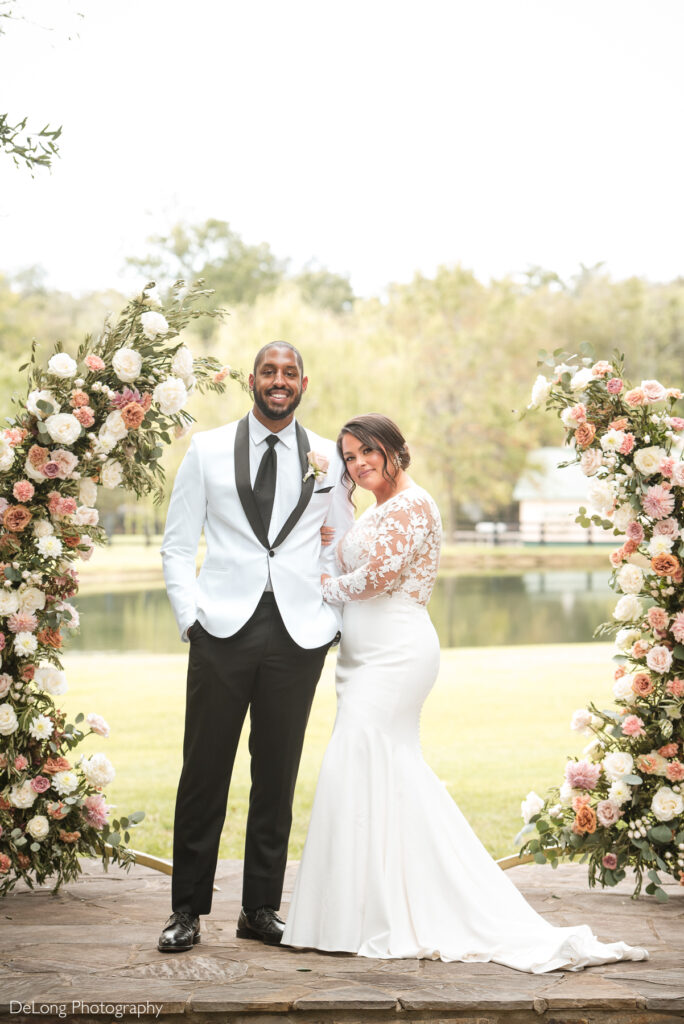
(379, 137)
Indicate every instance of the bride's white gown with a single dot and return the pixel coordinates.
(391, 867)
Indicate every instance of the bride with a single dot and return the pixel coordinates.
(391, 867)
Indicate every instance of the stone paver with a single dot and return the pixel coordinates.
(89, 954)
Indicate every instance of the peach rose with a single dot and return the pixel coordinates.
(79, 398)
(17, 518)
(23, 490)
(658, 618)
(38, 456)
(585, 821)
(85, 416)
(619, 424)
(629, 547)
(50, 637)
(665, 564)
(633, 726)
(635, 397)
(132, 415)
(675, 771)
(585, 434)
(617, 557)
(54, 765)
(58, 810)
(69, 837)
(94, 363)
(669, 750)
(627, 445)
(620, 671)
(614, 386)
(642, 684)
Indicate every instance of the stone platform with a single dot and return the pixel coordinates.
(89, 953)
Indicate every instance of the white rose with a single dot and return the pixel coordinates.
(563, 368)
(32, 473)
(62, 365)
(567, 793)
(105, 442)
(31, 599)
(38, 826)
(626, 638)
(153, 324)
(6, 455)
(581, 720)
(63, 428)
(622, 689)
(49, 547)
(567, 419)
(617, 764)
(170, 395)
(41, 728)
(620, 792)
(41, 396)
(23, 795)
(531, 805)
(9, 602)
(627, 609)
(630, 579)
(65, 782)
(127, 364)
(647, 460)
(42, 527)
(87, 491)
(591, 461)
(666, 804)
(601, 494)
(622, 517)
(183, 362)
(8, 720)
(85, 516)
(50, 678)
(98, 770)
(579, 380)
(112, 474)
(115, 425)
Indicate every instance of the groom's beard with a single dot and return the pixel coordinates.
(279, 412)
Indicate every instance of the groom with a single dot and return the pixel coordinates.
(258, 629)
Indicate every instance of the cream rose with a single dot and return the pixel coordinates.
(63, 428)
(6, 455)
(153, 324)
(627, 609)
(62, 365)
(601, 495)
(87, 491)
(630, 579)
(666, 804)
(85, 516)
(51, 679)
(182, 362)
(622, 689)
(647, 460)
(531, 805)
(42, 528)
(112, 474)
(9, 602)
(541, 390)
(8, 720)
(659, 659)
(23, 795)
(579, 380)
(41, 396)
(127, 364)
(617, 764)
(115, 425)
(38, 826)
(626, 638)
(591, 461)
(654, 390)
(622, 517)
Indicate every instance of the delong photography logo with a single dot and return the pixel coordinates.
(80, 1008)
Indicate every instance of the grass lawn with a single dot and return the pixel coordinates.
(495, 726)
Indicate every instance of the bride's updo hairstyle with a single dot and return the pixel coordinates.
(382, 435)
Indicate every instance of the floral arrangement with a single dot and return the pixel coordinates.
(622, 803)
(99, 419)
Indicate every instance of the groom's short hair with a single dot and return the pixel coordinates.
(258, 359)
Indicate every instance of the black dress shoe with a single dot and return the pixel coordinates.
(180, 933)
(262, 924)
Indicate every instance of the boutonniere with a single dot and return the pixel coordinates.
(318, 465)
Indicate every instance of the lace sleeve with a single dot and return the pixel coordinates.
(400, 535)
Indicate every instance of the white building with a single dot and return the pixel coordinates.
(550, 499)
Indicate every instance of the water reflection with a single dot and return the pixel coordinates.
(468, 611)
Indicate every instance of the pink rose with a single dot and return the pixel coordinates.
(617, 557)
(601, 369)
(608, 812)
(627, 444)
(676, 423)
(675, 771)
(666, 466)
(578, 413)
(97, 724)
(5, 683)
(94, 363)
(610, 861)
(85, 416)
(675, 687)
(95, 810)
(66, 506)
(40, 784)
(50, 470)
(678, 474)
(659, 659)
(318, 463)
(635, 397)
(20, 762)
(614, 386)
(666, 528)
(658, 618)
(4, 505)
(654, 390)
(678, 627)
(5, 863)
(66, 461)
(635, 531)
(86, 555)
(23, 490)
(633, 726)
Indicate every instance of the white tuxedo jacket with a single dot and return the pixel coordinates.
(213, 493)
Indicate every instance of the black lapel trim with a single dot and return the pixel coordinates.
(243, 482)
(307, 487)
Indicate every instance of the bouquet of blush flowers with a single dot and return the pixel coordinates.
(622, 804)
(99, 419)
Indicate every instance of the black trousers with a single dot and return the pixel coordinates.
(261, 668)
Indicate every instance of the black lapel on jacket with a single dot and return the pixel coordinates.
(243, 483)
(307, 487)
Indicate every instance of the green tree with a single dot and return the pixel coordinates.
(324, 289)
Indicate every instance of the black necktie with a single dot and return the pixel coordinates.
(265, 483)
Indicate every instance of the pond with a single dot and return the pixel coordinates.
(468, 611)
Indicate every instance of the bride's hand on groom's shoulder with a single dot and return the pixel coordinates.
(325, 576)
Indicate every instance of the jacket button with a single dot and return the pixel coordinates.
(271, 553)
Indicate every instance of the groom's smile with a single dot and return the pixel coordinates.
(277, 385)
